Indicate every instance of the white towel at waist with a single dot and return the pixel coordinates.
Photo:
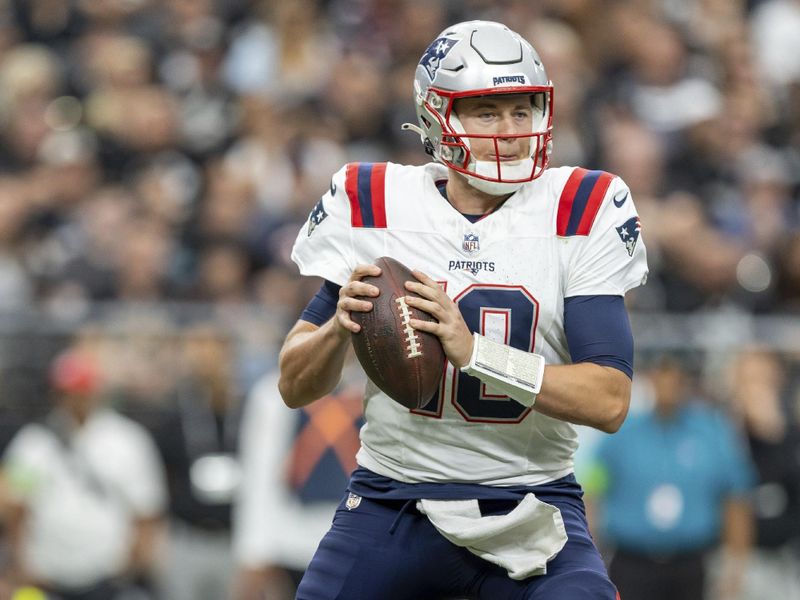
(521, 541)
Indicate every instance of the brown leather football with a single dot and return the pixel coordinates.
(404, 363)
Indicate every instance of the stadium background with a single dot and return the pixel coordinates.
(158, 157)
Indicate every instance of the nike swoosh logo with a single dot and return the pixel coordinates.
(333, 188)
(619, 203)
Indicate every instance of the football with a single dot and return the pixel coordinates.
(403, 362)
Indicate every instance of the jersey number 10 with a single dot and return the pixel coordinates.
(504, 313)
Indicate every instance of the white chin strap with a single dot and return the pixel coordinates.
(520, 169)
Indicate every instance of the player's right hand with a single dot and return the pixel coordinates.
(347, 297)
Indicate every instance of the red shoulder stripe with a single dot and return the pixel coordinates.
(593, 203)
(566, 200)
(351, 187)
(378, 187)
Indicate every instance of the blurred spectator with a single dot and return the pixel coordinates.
(776, 43)
(789, 275)
(295, 466)
(223, 272)
(365, 124)
(16, 290)
(283, 54)
(194, 43)
(222, 119)
(763, 398)
(661, 77)
(198, 437)
(228, 209)
(90, 493)
(670, 486)
(91, 248)
(29, 80)
(167, 185)
(143, 267)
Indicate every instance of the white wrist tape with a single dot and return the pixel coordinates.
(507, 370)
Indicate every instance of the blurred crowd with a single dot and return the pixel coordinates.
(157, 158)
(168, 150)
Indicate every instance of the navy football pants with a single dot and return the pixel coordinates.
(387, 550)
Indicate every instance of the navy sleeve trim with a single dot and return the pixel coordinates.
(323, 305)
(598, 331)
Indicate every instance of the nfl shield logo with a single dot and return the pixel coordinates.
(352, 501)
(471, 243)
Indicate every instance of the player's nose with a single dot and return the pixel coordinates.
(508, 126)
(505, 125)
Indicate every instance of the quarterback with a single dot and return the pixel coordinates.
(473, 495)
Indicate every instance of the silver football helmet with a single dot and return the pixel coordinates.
(480, 58)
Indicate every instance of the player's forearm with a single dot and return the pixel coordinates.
(311, 362)
(585, 394)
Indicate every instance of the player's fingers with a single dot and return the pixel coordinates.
(358, 288)
(354, 305)
(347, 323)
(364, 270)
(425, 283)
(432, 308)
(345, 306)
(433, 292)
(427, 326)
(423, 278)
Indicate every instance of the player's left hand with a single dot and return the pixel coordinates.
(451, 329)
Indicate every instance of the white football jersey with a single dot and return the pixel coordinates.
(571, 232)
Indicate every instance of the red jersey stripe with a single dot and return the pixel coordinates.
(351, 187)
(566, 199)
(594, 202)
(377, 189)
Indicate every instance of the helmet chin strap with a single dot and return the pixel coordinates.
(488, 168)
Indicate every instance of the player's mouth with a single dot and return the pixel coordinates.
(505, 157)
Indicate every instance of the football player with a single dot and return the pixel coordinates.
(525, 269)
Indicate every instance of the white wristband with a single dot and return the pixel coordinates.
(512, 372)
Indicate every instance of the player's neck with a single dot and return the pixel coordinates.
(469, 200)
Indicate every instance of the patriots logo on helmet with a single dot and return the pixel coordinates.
(316, 217)
(629, 233)
(435, 53)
